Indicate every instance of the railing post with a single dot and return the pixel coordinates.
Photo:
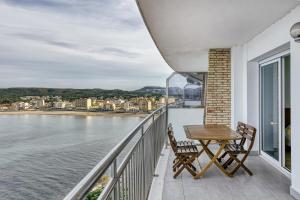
(154, 128)
(166, 125)
(143, 165)
(114, 175)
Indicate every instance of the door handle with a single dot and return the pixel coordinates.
(273, 123)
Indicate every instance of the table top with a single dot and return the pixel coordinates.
(210, 132)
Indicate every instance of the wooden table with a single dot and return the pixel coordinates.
(207, 133)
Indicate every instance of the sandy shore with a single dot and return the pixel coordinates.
(83, 113)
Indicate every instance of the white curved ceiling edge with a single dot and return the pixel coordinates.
(184, 31)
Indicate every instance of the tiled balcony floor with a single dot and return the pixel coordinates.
(267, 183)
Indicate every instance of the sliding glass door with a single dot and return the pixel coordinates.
(275, 110)
(270, 108)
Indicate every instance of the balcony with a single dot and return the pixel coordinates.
(140, 166)
(251, 56)
(266, 183)
(241, 59)
(145, 172)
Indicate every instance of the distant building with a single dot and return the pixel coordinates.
(98, 103)
(171, 100)
(114, 105)
(150, 105)
(40, 103)
(131, 107)
(20, 106)
(4, 107)
(69, 105)
(121, 101)
(59, 105)
(162, 100)
(145, 105)
(83, 103)
(110, 106)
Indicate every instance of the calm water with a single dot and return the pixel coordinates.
(44, 157)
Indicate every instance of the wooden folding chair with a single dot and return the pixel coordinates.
(182, 142)
(240, 130)
(234, 150)
(185, 155)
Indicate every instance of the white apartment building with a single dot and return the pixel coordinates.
(83, 103)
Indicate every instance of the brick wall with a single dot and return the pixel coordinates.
(218, 93)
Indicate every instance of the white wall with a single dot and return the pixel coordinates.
(265, 44)
(275, 36)
(253, 99)
(295, 116)
(190, 62)
(237, 84)
(184, 116)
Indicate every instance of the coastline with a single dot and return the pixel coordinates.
(75, 113)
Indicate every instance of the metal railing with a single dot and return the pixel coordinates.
(132, 178)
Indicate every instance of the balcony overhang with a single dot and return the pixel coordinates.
(183, 31)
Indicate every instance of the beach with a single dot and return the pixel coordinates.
(78, 113)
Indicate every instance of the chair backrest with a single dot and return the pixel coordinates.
(172, 139)
(249, 134)
(240, 129)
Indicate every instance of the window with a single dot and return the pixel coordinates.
(186, 90)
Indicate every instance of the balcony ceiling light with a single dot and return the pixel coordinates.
(295, 32)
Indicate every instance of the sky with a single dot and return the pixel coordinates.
(77, 44)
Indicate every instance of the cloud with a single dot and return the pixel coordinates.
(118, 52)
(80, 44)
(44, 39)
(118, 12)
(41, 3)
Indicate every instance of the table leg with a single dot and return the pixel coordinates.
(202, 150)
(213, 159)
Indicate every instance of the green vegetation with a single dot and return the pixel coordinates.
(10, 95)
(7, 98)
(94, 194)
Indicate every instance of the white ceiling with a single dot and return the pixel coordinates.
(184, 30)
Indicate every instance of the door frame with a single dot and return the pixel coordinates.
(283, 101)
(281, 137)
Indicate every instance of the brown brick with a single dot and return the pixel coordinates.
(218, 102)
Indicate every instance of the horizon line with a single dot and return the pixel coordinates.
(77, 88)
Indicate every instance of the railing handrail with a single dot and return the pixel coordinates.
(84, 186)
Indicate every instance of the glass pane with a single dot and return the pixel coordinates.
(186, 90)
(287, 112)
(270, 128)
(186, 100)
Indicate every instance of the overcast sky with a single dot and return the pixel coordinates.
(77, 44)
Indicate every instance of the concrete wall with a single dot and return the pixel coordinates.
(273, 40)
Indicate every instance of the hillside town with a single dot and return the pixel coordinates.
(92, 104)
